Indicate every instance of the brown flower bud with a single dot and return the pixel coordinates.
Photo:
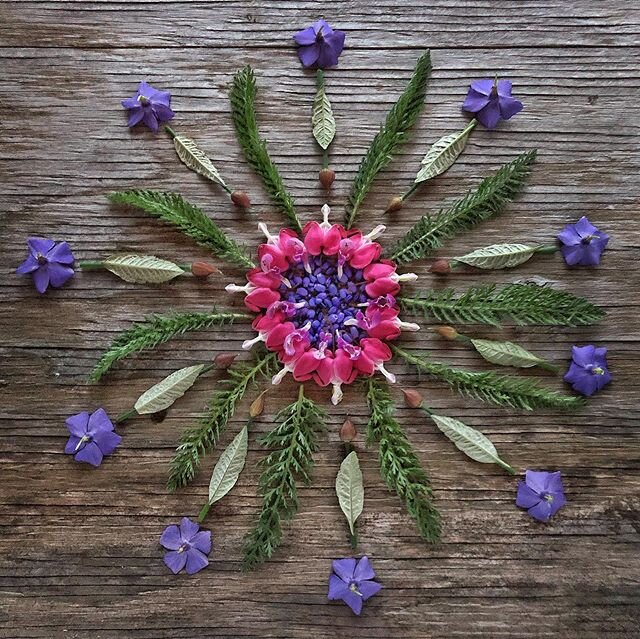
(203, 269)
(395, 204)
(241, 199)
(440, 267)
(412, 398)
(348, 431)
(448, 332)
(327, 177)
(224, 360)
(257, 406)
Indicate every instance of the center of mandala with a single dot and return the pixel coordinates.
(326, 303)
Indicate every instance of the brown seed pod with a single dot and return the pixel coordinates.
(203, 269)
(448, 332)
(395, 204)
(412, 398)
(348, 431)
(440, 267)
(224, 360)
(327, 177)
(257, 405)
(241, 199)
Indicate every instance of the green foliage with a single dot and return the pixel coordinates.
(198, 441)
(156, 330)
(393, 132)
(489, 199)
(489, 387)
(243, 110)
(173, 209)
(399, 465)
(292, 443)
(524, 303)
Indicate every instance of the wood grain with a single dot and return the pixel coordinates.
(78, 551)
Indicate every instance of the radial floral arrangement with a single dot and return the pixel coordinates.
(329, 304)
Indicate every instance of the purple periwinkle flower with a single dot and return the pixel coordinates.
(319, 45)
(582, 243)
(49, 263)
(188, 546)
(351, 581)
(491, 101)
(541, 493)
(148, 105)
(588, 371)
(92, 437)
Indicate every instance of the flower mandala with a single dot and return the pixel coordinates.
(325, 303)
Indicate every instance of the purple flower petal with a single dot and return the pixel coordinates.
(509, 107)
(72, 445)
(337, 588)
(188, 528)
(305, 37)
(78, 424)
(584, 227)
(309, 55)
(583, 355)
(171, 538)
(572, 254)
(537, 480)
(475, 101)
(484, 86)
(28, 266)
(61, 253)
(135, 116)
(149, 118)
(321, 25)
(131, 103)
(364, 570)
(99, 421)
(489, 116)
(569, 235)
(40, 245)
(41, 279)
(107, 441)
(145, 89)
(526, 497)
(335, 40)
(558, 502)
(353, 601)
(541, 511)
(161, 98)
(582, 243)
(196, 561)
(327, 58)
(344, 568)
(162, 112)
(504, 88)
(175, 561)
(368, 589)
(90, 453)
(59, 274)
(202, 541)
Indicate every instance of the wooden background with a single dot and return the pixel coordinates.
(79, 551)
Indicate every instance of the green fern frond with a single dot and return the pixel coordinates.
(489, 387)
(156, 330)
(399, 465)
(523, 303)
(198, 441)
(489, 199)
(173, 209)
(243, 110)
(393, 132)
(292, 443)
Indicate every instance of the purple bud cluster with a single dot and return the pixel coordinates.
(330, 299)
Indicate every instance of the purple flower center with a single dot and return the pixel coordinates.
(353, 587)
(320, 35)
(587, 239)
(330, 299)
(548, 498)
(597, 370)
(42, 260)
(144, 101)
(185, 546)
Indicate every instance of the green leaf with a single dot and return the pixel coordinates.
(498, 256)
(196, 159)
(229, 466)
(444, 153)
(470, 441)
(142, 269)
(165, 393)
(324, 126)
(350, 489)
(506, 354)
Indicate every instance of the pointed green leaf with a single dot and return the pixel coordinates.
(142, 269)
(165, 393)
(324, 126)
(229, 466)
(506, 354)
(197, 160)
(444, 153)
(498, 256)
(350, 489)
(470, 441)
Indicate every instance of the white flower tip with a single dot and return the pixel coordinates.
(263, 227)
(407, 277)
(234, 288)
(352, 321)
(390, 376)
(326, 211)
(248, 343)
(409, 326)
(376, 232)
(337, 395)
(279, 376)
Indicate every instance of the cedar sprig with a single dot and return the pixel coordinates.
(243, 111)
(393, 132)
(530, 304)
(488, 200)
(174, 209)
(196, 442)
(399, 465)
(489, 387)
(292, 444)
(156, 330)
